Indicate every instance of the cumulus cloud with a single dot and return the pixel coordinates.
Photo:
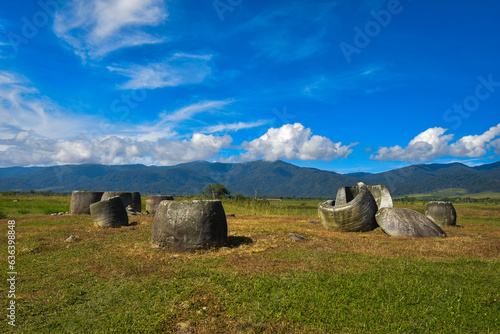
(495, 144)
(476, 145)
(96, 27)
(180, 69)
(294, 142)
(28, 149)
(433, 143)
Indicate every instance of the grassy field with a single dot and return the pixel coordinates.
(456, 192)
(111, 280)
(32, 205)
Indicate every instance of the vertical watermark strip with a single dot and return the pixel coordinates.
(11, 273)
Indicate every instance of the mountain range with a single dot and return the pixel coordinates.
(272, 179)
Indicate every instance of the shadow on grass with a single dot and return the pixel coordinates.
(236, 241)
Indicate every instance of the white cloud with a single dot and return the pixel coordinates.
(23, 108)
(365, 80)
(96, 27)
(294, 142)
(234, 126)
(36, 131)
(27, 149)
(495, 144)
(180, 69)
(433, 143)
(476, 145)
(168, 121)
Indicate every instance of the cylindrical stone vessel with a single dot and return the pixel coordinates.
(441, 213)
(189, 225)
(136, 200)
(81, 201)
(153, 201)
(109, 213)
(125, 196)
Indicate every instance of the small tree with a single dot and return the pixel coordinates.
(239, 198)
(216, 191)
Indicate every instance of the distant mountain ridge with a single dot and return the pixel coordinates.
(274, 179)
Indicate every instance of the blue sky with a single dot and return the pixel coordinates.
(338, 85)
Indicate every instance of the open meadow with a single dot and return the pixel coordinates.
(112, 280)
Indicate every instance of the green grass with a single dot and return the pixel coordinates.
(111, 280)
(455, 192)
(32, 205)
(303, 208)
(450, 192)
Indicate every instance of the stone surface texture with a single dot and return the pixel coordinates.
(441, 213)
(136, 201)
(353, 210)
(81, 201)
(399, 222)
(153, 201)
(125, 196)
(189, 225)
(109, 213)
(381, 195)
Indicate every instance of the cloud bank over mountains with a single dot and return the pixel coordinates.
(433, 143)
(36, 131)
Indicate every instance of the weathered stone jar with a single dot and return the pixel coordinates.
(153, 201)
(81, 201)
(441, 213)
(136, 200)
(125, 196)
(109, 213)
(353, 210)
(189, 225)
(381, 195)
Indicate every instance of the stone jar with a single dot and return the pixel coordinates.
(189, 225)
(441, 213)
(109, 213)
(153, 201)
(81, 201)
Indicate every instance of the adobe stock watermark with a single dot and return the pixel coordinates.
(30, 26)
(484, 89)
(12, 272)
(223, 6)
(283, 116)
(372, 29)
